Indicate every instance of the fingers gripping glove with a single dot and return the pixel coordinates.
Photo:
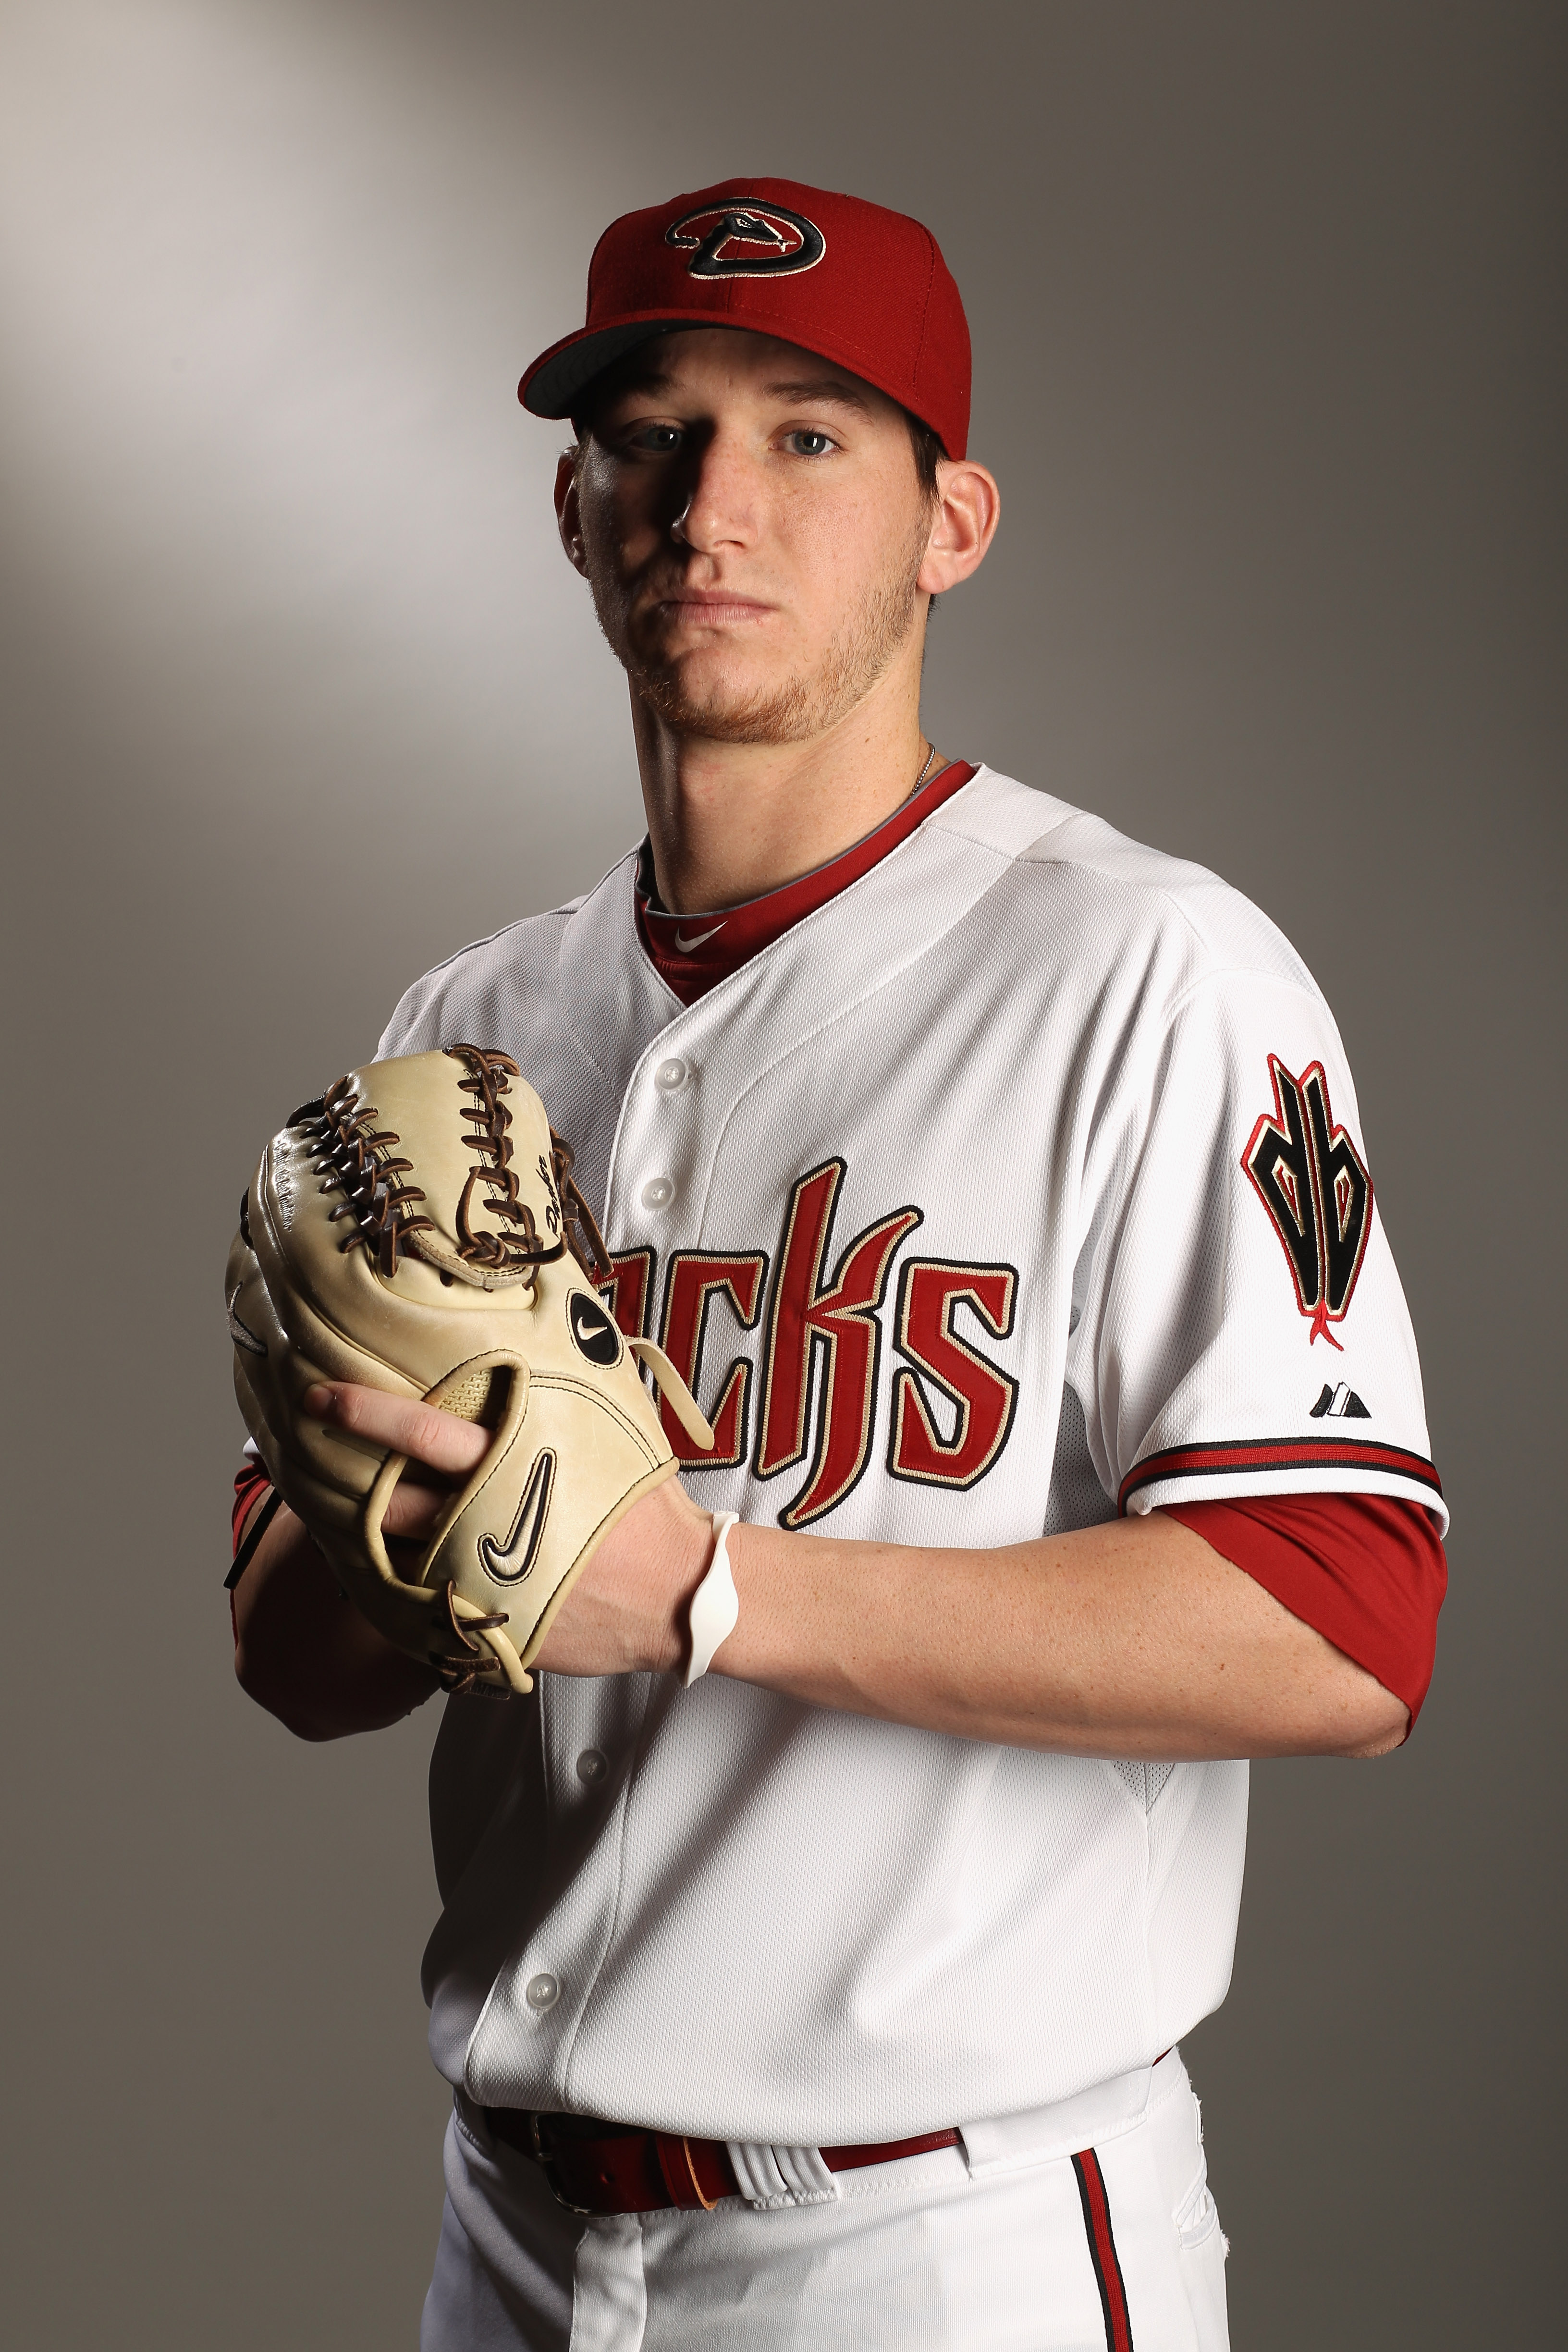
(417, 1230)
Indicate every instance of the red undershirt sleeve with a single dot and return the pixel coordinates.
(251, 1488)
(250, 1482)
(1367, 1572)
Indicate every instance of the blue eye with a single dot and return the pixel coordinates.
(809, 444)
(661, 439)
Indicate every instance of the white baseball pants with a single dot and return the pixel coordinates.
(1102, 2244)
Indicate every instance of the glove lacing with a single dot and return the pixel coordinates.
(358, 1158)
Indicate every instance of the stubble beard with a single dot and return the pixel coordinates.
(858, 653)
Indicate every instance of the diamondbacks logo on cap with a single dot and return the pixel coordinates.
(747, 241)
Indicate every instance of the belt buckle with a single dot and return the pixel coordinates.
(552, 2177)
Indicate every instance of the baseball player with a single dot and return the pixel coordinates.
(999, 1188)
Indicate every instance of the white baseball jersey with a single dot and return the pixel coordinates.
(1021, 1183)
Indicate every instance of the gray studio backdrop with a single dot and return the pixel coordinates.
(300, 696)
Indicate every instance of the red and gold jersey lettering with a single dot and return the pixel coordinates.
(840, 1321)
(930, 1295)
(625, 1293)
(695, 1278)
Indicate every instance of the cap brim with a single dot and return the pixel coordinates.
(554, 384)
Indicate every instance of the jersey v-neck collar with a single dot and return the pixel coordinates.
(692, 954)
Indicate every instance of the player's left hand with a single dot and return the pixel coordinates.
(627, 1614)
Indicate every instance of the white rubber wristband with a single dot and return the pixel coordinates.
(715, 1604)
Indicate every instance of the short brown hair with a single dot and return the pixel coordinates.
(928, 452)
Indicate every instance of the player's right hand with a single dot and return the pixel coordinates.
(441, 1448)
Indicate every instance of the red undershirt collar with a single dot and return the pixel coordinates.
(692, 953)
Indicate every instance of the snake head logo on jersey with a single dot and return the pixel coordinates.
(1313, 1182)
(741, 240)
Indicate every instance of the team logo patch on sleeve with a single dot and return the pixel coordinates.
(1314, 1184)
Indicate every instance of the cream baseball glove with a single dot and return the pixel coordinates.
(417, 1230)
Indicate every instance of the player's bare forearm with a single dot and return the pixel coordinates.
(306, 1655)
(1132, 1639)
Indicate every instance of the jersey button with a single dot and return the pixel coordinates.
(592, 1765)
(544, 1991)
(657, 1193)
(670, 1077)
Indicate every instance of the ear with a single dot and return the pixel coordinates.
(969, 507)
(568, 519)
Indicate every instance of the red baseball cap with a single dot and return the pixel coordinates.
(853, 283)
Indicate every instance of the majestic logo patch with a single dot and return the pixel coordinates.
(509, 1562)
(743, 240)
(1340, 1403)
(1313, 1182)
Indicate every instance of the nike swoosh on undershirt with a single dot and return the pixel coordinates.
(686, 947)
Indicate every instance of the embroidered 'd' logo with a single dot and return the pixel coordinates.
(741, 240)
(1313, 1182)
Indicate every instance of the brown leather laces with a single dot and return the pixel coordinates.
(349, 1142)
(455, 1674)
(358, 1158)
(584, 1239)
(487, 1081)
